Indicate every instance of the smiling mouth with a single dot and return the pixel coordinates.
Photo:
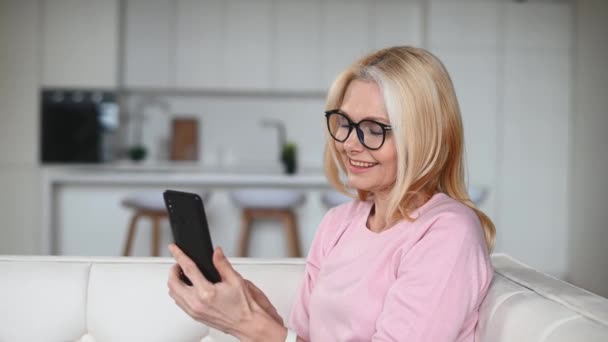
(361, 164)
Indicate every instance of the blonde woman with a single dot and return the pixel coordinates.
(408, 258)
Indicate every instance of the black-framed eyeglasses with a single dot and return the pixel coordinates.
(370, 133)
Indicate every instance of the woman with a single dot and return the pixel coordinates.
(408, 260)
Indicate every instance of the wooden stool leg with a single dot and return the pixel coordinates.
(246, 220)
(130, 235)
(156, 235)
(291, 230)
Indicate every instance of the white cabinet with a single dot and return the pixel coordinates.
(345, 36)
(19, 179)
(19, 60)
(149, 47)
(536, 137)
(396, 22)
(80, 43)
(258, 45)
(297, 51)
(220, 45)
(247, 51)
(464, 24)
(200, 44)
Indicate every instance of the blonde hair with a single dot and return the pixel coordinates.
(427, 130)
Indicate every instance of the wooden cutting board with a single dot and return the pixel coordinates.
(184, 139)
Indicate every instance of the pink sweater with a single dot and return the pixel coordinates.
(417, 281)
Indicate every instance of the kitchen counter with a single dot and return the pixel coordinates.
(119, 177)
(182, 175)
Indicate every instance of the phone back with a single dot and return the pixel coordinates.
(191, 230)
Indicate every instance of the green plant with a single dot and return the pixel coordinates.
(289, 157)
(138, 153)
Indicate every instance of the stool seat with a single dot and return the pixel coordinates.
(333, 198)
(152, 200)
(267, 198)
(145, 200)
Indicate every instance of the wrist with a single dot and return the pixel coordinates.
(262, 327)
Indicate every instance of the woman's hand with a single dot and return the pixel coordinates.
(230, 306)
(263, 301)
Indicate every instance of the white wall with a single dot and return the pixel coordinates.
(19, 176)
(589, 223)
(230, 129)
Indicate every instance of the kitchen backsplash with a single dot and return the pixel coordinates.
(230, 127)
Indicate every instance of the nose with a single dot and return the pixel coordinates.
(352, 143)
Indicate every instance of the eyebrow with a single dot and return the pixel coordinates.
(374, 118)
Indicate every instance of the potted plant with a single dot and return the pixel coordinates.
(289, 158)
(137, 153)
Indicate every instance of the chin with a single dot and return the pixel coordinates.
(358, 185)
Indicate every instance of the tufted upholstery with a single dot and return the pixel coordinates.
(125, 299)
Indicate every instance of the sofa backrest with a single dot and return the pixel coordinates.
(126, 299)
(526, 305)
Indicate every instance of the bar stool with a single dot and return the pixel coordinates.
(268, 204)
(148, 204)
(333, 198)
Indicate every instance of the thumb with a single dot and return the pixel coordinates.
(224, 267)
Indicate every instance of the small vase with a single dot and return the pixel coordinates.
(290, 167)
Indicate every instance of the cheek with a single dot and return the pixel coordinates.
(339, 148)
(389, 162)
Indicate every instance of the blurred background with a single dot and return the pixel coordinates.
(101, 100)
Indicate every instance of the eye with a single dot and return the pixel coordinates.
(343, 122)
(372, 128)
(375, 131)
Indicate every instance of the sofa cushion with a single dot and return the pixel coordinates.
(132, 304)
(42, 301)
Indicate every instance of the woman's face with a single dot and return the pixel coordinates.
(369, 170)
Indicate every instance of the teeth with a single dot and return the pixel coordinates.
(361, 164)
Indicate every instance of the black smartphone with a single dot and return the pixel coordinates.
(191, 231)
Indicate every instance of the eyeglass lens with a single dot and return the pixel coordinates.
(370, 133)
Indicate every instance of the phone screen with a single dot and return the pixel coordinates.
(191, 231)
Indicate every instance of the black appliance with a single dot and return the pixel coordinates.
(77, 126)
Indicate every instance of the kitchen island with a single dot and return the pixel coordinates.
(82, 214)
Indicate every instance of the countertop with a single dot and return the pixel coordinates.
(182, 173)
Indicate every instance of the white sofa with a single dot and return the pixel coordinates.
(125, 299)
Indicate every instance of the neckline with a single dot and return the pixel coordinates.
(416, 214)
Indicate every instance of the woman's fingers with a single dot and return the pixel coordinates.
(188, 267)
(174, 283)
(191, 300)
(224, 267)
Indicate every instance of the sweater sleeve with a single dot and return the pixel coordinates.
(440, 283)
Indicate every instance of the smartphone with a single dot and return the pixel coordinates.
(191, 231)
